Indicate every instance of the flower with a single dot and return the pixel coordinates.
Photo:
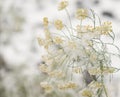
(44, 68)
(106, 28)
(62, 5)
(78, 50)
(87, 93)
(47, 59)
(47, 41)
(81, 13)
(47, 87)
(58, 24)
(56, 73)
(45, 21)
(68, 85)
(96, 84)
(47, 34)
(104, 70)
(40, 41)
(57, 40)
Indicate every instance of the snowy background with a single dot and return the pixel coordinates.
(20, 54)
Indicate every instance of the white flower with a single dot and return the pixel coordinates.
(62, 5)
(81, 13)
(47, 87)
(87, 93)
(58, 24)
(45, 21)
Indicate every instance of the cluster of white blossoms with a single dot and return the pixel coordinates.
(77, 50)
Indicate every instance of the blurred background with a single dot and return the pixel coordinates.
(20, 54)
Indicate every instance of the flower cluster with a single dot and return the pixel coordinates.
(104, 70)
(46, 86)
(68, 85)
(58, 24)
(81, 14)
(63, 5)
(73, 51)
(87, 93)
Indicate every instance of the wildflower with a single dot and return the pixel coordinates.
(106, 28)
(81, 14)
(40, 41)
(77, 70)
(56, 73)
(45, 21)
(62, 5)
(44, 68)
(44, 43)
(68, 85)
(93, 57)
(58, 24)
(84, 29)
(87, 93)
(95, 84)
(104, 70)
(47, 59)
(80, 47)
(58, 40)
(81, 29)
(47, 34)
(47, 87)
(47, 44)
(94, 71)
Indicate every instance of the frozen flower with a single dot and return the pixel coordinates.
(68, 85)
(85, 28)
(44, 43)
(44, 68)
(47, 44)
(87, 93)
(106, 28)
(62, 5)
(86, 32)
(58, 40)
(58, 24)
(71, 85)
(47, 87)
(81, 14)
(78, 50)
(104, 70)
(47, 34)
(94, 71)
(81, 29)
(47, 59)
(96, 84)
(40, 41)
(56, 73)
(45, 21)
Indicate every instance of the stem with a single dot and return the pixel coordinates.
(93, 17)
(105, 91)
(69, 19)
